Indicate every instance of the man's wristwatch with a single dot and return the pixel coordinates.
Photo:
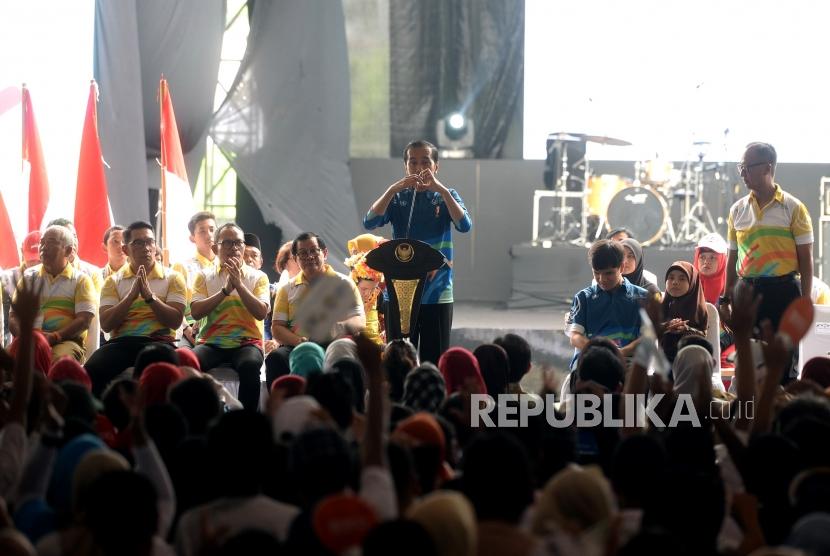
(150, 300)
(724, 299)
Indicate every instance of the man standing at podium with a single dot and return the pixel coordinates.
(436, 210)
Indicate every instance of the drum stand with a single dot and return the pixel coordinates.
(696, 217)
(567, 223)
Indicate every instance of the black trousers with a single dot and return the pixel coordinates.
(276, 364)
(113, 358)
(432, 331)
(245, 360)
(778, 294)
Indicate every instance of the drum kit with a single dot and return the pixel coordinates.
(644, 205)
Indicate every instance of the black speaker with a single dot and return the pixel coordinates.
(573, 152)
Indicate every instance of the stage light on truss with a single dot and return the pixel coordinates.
(456, 136)
(456, 121)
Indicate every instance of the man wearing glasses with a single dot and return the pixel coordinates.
(233, 300)
(770, 239)
(68, 299)
(141, 304)
(309, 250)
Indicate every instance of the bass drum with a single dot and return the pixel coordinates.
(641, 210)
(601, 189)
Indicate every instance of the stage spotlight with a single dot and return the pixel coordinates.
(456, 121)
(456, 136)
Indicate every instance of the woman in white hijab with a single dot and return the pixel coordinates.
(342, 348)
(690, 365)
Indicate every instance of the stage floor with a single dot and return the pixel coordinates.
(476, 323)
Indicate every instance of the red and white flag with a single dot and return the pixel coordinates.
(34, 165)
(9, 255)
(177, 204)
(93, 215)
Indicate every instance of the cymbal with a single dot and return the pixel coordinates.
(564, 136)
(606, 140)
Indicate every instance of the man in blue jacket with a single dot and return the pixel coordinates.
(437, 209)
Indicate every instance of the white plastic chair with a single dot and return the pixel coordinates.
(817, 340)
(713, 335)
(230, 380)
(93, 337)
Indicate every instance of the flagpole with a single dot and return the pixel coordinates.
(165, 252)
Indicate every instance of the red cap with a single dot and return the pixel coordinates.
(31, 246)
(293, 385)
(342, 520)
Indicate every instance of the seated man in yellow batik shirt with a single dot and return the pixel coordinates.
(141, 304)
(68, 297)
(231, 300)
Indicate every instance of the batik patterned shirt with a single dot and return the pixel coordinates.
(230, 324)
(167, 284)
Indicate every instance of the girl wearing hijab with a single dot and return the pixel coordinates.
(710, 263)
(684, 307)
(693, 365)
(634, 264)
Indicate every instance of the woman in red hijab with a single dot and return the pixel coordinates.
(684, 307)
(710, 263)
(156, 381)
(43, 351)
(459, 367)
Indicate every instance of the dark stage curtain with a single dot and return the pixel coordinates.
(446, 56)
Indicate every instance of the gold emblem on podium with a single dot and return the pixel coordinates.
(404, 252)
(405, 291)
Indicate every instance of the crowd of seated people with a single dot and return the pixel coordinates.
(358, 447)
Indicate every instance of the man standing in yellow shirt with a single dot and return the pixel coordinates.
(770, 239)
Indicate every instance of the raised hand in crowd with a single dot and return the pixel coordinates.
(777, 358)
(745, 511)
(654, 309)
(658, 384)
(744, 312)
(744, 309)
(26, 305)
(370, 355)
